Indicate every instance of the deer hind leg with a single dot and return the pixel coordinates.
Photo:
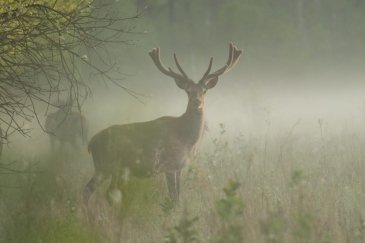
(114, 194)
(173, 184)
(92, 185)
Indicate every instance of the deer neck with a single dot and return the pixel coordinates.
(191, 124)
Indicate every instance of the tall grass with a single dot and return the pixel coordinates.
(283, 187)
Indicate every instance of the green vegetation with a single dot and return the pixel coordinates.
(296, 196)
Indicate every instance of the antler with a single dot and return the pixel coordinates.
(155, 55)
(234, 54)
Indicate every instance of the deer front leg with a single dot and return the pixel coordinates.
(173, 184)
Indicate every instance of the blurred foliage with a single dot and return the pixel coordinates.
(297, 177)
(230, 210)
(273, 227)
(184, 232)
(44, 208)
(20, 22)
(48, 50)
(22, 6)
(274, 34)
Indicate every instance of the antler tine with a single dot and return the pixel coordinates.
(155, 55)
(234, 54)
(230, 55)
(179, 67)
(237, 53)
(230, 58)
(208, 70)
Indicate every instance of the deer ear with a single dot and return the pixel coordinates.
(182, 84)
(211, 82)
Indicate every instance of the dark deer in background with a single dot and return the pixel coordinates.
(162, 145)
(66, 126)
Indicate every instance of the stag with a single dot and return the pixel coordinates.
(66, 126)
(163, 145)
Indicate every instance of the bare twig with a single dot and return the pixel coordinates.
(43, 57)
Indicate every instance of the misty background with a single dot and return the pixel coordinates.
(303, 63)
(285, 127)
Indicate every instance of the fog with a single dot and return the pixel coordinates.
(294, 103)
(302, 61)
(245, 103)
(302, 65)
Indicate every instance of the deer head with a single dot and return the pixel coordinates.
(196, 90)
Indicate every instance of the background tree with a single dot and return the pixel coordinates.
(48, 50)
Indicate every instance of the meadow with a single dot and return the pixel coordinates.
(287, 186)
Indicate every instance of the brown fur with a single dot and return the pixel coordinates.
(162, 145)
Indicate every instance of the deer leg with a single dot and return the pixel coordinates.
(173, 184)
(114, 195)
(92, 185)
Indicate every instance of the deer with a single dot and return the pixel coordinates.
(66, 126)
(163, 145)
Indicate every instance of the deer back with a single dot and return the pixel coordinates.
(145, 148)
